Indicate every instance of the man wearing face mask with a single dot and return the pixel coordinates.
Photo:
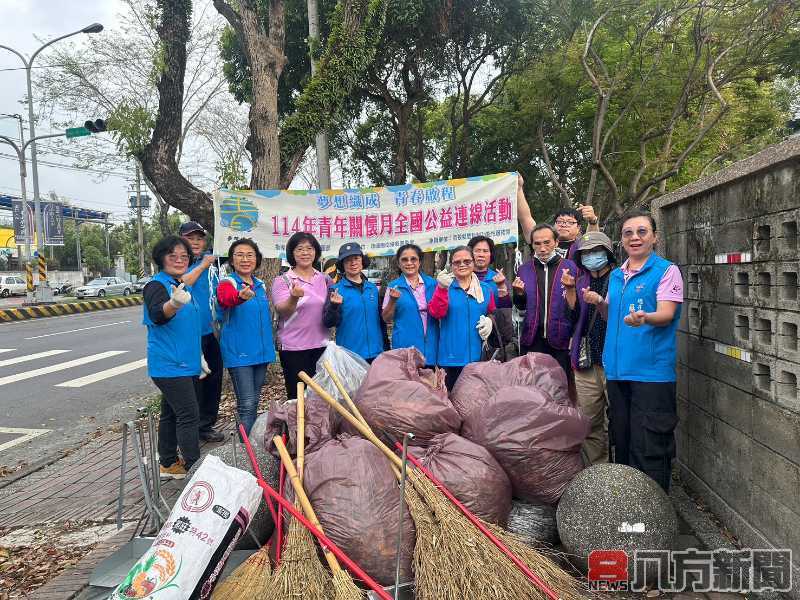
(539, 289)
(594, 254)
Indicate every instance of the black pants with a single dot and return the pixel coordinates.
(642, 420)
(562, 358)
(177, 426)
(294, 361)
(211, 385)
(451, 376)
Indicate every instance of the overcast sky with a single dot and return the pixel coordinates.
(21, 23)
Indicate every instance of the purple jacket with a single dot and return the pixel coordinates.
(581, 282)
(558, 328)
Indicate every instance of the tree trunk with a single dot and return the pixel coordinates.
(158, 158)
(401, 152)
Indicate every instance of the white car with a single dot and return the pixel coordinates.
(11, 285)
(104, 286)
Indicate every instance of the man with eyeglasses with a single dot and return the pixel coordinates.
(197, 277)
(568, 222)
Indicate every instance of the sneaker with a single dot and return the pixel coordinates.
(174, 471)
(212, 436)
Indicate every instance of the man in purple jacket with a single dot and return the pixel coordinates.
(538, 289)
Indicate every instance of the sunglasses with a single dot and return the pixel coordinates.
(462, 263)
(640, 232)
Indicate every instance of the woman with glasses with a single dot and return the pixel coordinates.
(246, 331)
(299, 296)
(406, 304)
(642, 309)
(173, 325)
(461, 302)
(353, 306)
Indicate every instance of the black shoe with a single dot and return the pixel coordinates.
(212, 436)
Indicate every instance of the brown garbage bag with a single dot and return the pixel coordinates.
(471, 473)
(478, 381)
(399, 395)
(536, 440)
(321, 422)
(356, 498)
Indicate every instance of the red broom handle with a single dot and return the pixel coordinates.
(279, 522)
(323, 539)
(256, 468)
(483, 529)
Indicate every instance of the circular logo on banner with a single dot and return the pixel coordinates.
(198, 498)
(238, 213)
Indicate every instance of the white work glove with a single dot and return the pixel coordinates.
(205, 371)
(180, 297)
(444, 279)
(484, 327)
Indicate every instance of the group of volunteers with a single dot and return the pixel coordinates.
(610, 328)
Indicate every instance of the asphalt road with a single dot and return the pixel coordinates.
(62, 378)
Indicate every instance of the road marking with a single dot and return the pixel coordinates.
(25, 435)
(7, 350)
(36, 337)
(27, 357)
(62, 367)
(100, 375)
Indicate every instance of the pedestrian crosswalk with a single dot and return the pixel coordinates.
(9, 373)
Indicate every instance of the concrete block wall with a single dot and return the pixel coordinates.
(739, 343)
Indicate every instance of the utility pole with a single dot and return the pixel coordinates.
(23, 176)
(78, 240)
(139, 219)
(323, 158)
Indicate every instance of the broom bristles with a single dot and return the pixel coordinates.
(300, 574)
(248, 580)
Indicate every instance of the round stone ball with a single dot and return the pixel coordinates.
(262, 524)
(615, 507)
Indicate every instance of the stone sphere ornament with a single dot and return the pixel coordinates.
(615, 507)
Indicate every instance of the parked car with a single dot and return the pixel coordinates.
(11, 285)
(104, 286)
(139, 284)
(374, 275)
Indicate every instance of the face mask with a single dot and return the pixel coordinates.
(595, 261)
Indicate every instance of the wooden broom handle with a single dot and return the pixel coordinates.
(301, 428)
(338, 383)
(352, 405)
(362, 429)
(303, 499)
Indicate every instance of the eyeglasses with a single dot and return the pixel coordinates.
(409, 259)
(302, 249)
(566, 222)
(178, 257)
(640, 232)
(462, 263)
(241, 256)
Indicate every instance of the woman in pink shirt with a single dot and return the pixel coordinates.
(299, 296)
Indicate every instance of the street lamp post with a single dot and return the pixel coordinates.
(38, 229)
(26, 233)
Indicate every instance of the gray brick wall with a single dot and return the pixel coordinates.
(739, 432)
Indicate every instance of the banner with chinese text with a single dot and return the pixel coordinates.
(436, 215)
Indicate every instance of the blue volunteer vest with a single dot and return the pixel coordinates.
(360, 328)
(459, 342)
(645, 353)
(246, 334)
(173, 349)
(201, 291)
(407, 331)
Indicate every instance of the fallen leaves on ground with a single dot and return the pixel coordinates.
(23, 569)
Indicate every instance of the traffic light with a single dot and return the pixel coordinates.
(96, 126)
(89, 127)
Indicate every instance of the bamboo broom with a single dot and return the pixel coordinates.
(431, 580)
(249, 580)
(476, 567)
(300, 574)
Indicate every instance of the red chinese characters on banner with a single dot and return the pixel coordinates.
(374, 225)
